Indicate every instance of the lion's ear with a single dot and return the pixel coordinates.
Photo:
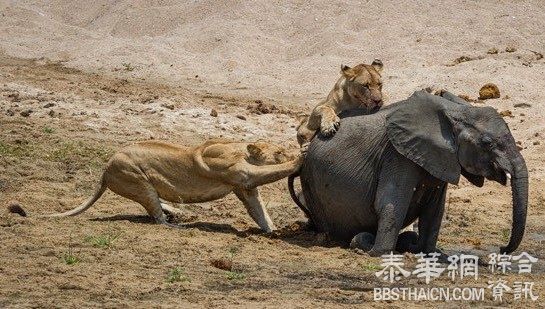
(377, 64)
(254, 150)
(346, 70)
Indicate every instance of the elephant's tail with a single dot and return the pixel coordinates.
(294, 196)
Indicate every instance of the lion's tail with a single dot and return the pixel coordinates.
(294, 196)
(83, 207)
(76, 211)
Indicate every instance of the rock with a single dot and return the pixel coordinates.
(489, 91)
(26, 113)
(523, 105)
(14, 207)
(214, 113)
(48, 105)
(492, 51)
(241, 117)
(462, 59)
(223, 264)
(536, 143)
(506, 113)
(10, 112)
(14, 96)
(510, 49)
(30, 101)
(538, 55)
(262, 108)
(168, 106)
(51, 113)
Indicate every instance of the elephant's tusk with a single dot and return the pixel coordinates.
(508, 175)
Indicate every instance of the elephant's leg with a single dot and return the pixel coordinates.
(430, 219)
(391, 216)
(407, 242)
(363, 241)
(395, 189)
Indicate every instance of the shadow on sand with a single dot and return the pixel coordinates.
(298, 233)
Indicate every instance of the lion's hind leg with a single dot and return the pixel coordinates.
(151, 202)
(135, 186)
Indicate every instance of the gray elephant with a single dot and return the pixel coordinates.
(381, 172)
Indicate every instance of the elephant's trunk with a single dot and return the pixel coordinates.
(519, 188)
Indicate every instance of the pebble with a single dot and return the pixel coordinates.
(26, 113)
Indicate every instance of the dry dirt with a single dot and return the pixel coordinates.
(79, 80)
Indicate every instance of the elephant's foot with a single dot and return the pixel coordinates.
(442, 258)
(407, 242)
(363, 241)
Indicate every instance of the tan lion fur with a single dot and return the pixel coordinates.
(358, 87)
(151, 171)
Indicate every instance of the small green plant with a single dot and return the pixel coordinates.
(49, 130)
(69, 258)
(233, 251)
(78, 154)
(371, 266)
(235, 275)
(177, 275)
(15, 151)
(102, 241)
(127, 66)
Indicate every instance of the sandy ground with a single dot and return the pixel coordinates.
(80, 80)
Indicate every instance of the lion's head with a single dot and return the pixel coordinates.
(364, 85)
(261, 153)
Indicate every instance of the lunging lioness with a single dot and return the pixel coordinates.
(149, 171)
(358, 87)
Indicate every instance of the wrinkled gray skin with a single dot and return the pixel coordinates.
(381, 172)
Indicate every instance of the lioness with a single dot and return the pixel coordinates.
(147, 172)
(358, 87)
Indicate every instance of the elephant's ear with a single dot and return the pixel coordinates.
(420, 129)
(474, 179)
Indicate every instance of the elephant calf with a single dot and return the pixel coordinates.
(381, 172)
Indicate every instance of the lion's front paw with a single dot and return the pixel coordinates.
(329, 128)
(435, 90)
